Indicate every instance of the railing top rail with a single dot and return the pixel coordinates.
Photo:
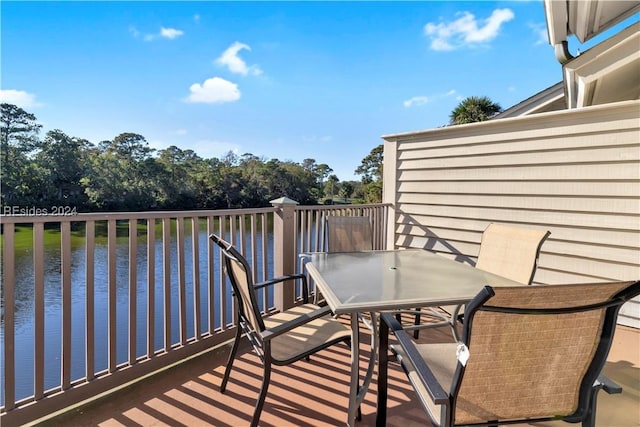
(45, 216)
(336, 207)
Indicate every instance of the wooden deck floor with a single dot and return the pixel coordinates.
(312, 393)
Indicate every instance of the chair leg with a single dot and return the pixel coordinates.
(263, 393)
(416, 322)
(590, 418)
(383, 362)
(232, 356)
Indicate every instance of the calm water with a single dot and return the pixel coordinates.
(24, 305)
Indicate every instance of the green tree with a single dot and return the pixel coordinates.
(176, 178)
(371, 170)
(63, 159)
(331, 187)
(231, 181)
(346, 189)
(319, 172)
(371, 166)
(123, 175)
(18, 138)
(474, 109)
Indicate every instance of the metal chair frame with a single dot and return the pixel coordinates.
(249, 321)
(522, 305)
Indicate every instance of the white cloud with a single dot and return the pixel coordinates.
(166, 33)
(230, 59)
(215, 90)
(466, 30)
(170, 33)
(134, 31)
(540, 33)
(317, 138)
(19, 97)
(418, 101)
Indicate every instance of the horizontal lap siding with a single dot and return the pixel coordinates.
(575, 173)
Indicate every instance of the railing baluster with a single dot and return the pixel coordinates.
(243, 237)
(39, 305)
(90, 356)
(166, 264)
(254, 257)
(195, 253)
(223, 284)
(112, 297)
(265, 251)
(151, 287)
(133, 288)
(212, 309)
(309, 246)
(182, 303)
(65, 241)
(9, 317)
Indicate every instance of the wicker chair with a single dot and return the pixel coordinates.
(528, 354)
(507, 251)
(281, 338)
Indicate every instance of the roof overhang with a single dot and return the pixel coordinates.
(583, 19)
(608, 72)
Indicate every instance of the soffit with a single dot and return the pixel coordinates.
(585, 19)
(608, 72)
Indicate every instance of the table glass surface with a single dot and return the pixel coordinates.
(382, 280)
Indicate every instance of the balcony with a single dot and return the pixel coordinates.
(95, 301)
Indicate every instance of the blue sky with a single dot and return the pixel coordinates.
(286, 80)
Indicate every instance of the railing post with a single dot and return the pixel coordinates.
(284, 257)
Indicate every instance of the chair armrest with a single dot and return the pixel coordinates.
(305, 290)
(608, 385)
(437, 394)
(279, 279)
(269, 334)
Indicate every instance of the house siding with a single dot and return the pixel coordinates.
(575, 173)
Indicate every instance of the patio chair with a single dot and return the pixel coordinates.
(281, 338)
(528, 354)
(507, 251)
(346, 234)
(349, 234)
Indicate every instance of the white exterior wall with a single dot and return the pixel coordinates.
(575, 173)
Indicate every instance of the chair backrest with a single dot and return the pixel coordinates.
(511, 252)
(349, 234)
(535, 351)
(239, 273)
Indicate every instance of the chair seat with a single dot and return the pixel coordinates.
(441, 358)
(304, 338)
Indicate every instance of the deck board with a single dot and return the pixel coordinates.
(312, 393)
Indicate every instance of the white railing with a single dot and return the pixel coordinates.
(93, 301)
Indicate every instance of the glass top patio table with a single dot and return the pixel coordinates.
(390, 280)
(375, 281)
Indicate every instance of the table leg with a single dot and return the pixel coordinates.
(357, 391)
(355, 370)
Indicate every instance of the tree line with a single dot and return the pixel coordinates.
(126, 174)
